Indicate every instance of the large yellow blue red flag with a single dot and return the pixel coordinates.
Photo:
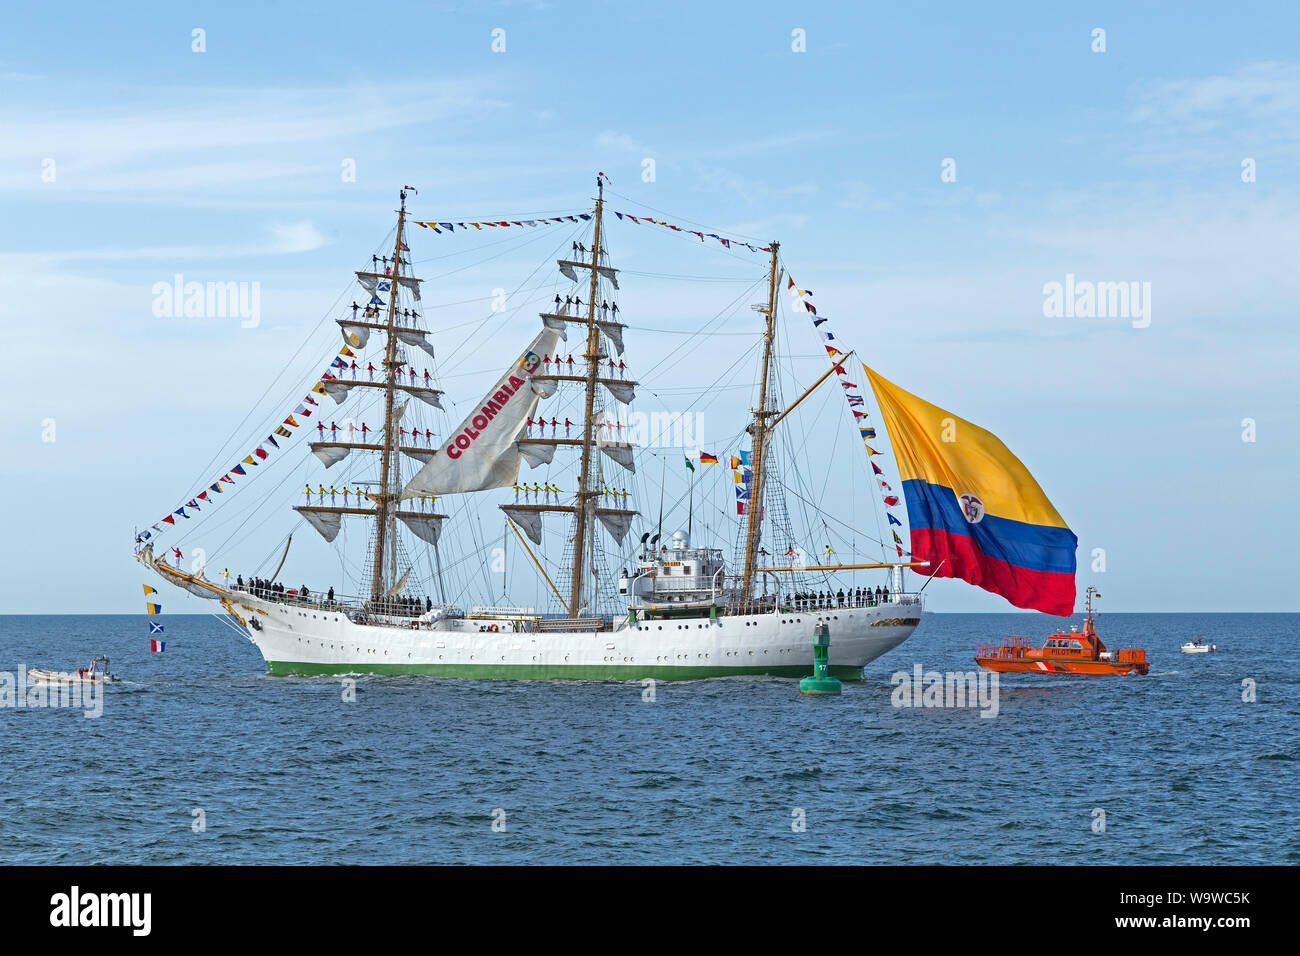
(975, 511)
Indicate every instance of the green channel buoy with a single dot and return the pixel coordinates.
(821, 683)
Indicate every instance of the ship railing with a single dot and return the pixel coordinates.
(315, 599)
(789, 602)
(350, 604)
(1013, 646)
(684, 582)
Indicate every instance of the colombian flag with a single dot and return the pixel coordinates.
(975, 511)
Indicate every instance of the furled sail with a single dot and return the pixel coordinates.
(537, 453)
(616, 523)
(428, 396)
(568, 265)
(331, 454)
(622, 391)
(543, 388)
(355, 335)
(557, 325)
(530, 521)
(425, 527)
(199, 590)
(419, 454)
(621, 453)
(327, 523)
(374, 283)
(614, 332)
(415, 337)
(337, 389)
(482, 452)
(396, 589)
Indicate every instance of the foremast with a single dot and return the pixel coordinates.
(387, 494)
(758, 433)
(593, 356)
(397, 326)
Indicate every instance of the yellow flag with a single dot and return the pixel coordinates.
(974, 510)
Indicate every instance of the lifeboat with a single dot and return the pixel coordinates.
(1065, 652)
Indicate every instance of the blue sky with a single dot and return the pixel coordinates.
(225, 166)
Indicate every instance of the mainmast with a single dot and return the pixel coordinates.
(593, 356)
(388, 470)
(758, 432)
(600, 319)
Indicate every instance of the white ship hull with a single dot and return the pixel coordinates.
(298, 639)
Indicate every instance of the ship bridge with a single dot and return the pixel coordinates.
(676, 575)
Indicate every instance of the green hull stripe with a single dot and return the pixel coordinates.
(622, 672)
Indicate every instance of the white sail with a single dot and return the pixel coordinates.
(419, 454)
(326, 523)
(482, 452)
(621, 453)
(537, 454)
(616, 522)
(356, 335)
(428, 397)
(557, 325)
(415, 337)
(544, 388)
(567, 266)
(331, 455)
(530, 521)
(622, 391)
(375, 284)
(425, 527)
(337, 389)
(615, 334)
(396, 589)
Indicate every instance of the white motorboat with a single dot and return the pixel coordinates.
(96, 673)
(1198, 646)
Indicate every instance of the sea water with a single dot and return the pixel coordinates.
(201, 757)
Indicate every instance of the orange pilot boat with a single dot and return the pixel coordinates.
(1065, 652)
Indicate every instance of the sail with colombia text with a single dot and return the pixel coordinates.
(482, 452)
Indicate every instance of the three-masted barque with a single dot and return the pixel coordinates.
(674, 610)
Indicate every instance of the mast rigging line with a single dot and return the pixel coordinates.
(862, 462)
(823, 515)
(469, 338)
(528, 242)
(724, 311)
(283, 372)
(681, 218)
(487, 245)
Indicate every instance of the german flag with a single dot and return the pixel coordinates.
(707, 459)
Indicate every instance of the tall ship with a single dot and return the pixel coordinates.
(550, 448)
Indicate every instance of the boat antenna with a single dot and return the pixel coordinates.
(690, 512)
(663, 471)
